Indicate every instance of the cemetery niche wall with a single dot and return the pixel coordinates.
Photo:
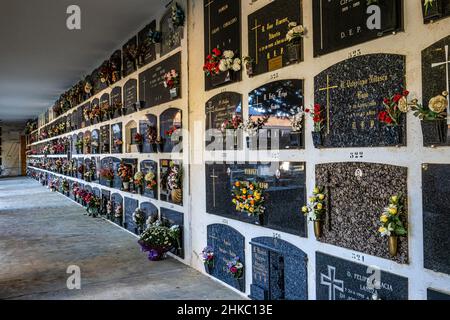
(356, 195)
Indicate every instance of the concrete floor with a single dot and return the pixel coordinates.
(42, 233)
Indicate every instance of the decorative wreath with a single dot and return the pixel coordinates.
(248, 197)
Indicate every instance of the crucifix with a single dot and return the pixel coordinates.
(327, 89)
(331, 282)
(208, 5)
(445, 63)
(214, 177)
(255, 28)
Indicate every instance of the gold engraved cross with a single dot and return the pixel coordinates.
(255, 28)
(328, 88)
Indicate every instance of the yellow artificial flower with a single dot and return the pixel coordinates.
(312, 199)
(244, 191)
(316, 190)
(394, 199)
(393, 211)
(257, 198)
(382, 230)
(321, 196)
(251, 210)
(234, 201)
(319, 206)
(305, 209)
(384, 219)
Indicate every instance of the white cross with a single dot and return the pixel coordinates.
(446, 63)
(331, 282)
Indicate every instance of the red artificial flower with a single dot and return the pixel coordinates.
(397, 98)
(307, 110)
(317, 118)
(405, 93)
(233, 269)
(217, 52)
(387, 101)
(317, 108)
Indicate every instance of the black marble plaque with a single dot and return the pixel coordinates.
(284, 188)
(436, 80)
(172, 218)
(338, 279)
(438, 9)
(171, 35)
(95, 142)
(279, 270)
(130, 95)
(151, 82)
(436, 217)
(220, 109)
(149, 209)
(144, 127)
(148, 50)
(356, 194)
(97, 84)
(267, 29)
(104, 100)
(351, 93)
(129, 57)
(437, 295)
(116, 100)
(342, 24)
(280, 101)
(150, 166)
(170, 122)
(227, 244)
(222, 21)
(117, 200)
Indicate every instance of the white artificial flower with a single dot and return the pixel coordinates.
(236, 64)
(223, 66)
(292, 24)
(228, 54)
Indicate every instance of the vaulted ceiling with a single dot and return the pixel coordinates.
(40, 57)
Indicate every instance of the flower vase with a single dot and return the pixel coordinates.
(110, 183)
(317, 139)
(155, 147)
(394, 135)
(221, 78)
(434, 132)
(140, 147)
(239, 284)
(177, 196)
(249, 68)
(123, 111)
(174, 93)
(318, 229)
(432, 12)
(140, 190)
(393, 246)
(126, 186)
(118, 221)
(293, 51)
(209, 268)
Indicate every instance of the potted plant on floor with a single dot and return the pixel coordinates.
(158, 239)
(315, 210)
(207, 257)
(391, 223)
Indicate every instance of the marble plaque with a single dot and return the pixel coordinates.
(339, 279)
(227, 244)
(356, 194)
(436, 217)
(351, 93)
(171, 123)
(130, 206)
(171, 218)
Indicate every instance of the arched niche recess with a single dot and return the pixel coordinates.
(131, 128)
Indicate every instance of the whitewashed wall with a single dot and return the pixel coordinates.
(416, 37)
